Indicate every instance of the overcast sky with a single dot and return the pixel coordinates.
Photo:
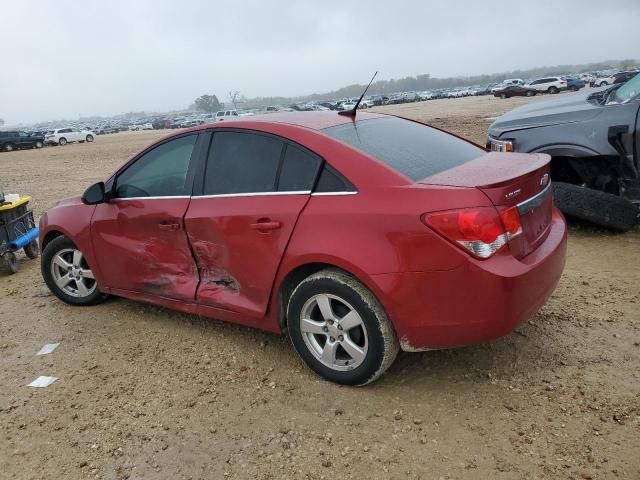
(61, 59)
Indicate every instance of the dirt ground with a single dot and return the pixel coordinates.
(145, 392)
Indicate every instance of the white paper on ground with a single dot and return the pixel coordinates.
(42, 382)
(48, 348)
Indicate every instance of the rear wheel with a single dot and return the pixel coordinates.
(8, 147)
(530, 93)
(600, 208)
(31, 249)
(553, 90)
(339, 328)
(67, 273)
(62, 141)
(503, 95)
(38, 144)
(89, 138)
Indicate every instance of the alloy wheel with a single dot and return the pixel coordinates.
(72, 274)
(334, 332)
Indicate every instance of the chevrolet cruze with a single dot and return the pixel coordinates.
(358, 237)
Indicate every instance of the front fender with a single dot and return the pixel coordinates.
(566, 150)
(72, 218)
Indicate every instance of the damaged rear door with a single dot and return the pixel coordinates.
(139, 234)
(254, 187)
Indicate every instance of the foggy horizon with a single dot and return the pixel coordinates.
(70, 60)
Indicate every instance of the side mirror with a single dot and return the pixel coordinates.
(95, 194)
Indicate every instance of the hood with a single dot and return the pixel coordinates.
(564, 109)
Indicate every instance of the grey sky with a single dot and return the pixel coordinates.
(65, 58)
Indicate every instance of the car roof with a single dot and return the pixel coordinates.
(316, 120)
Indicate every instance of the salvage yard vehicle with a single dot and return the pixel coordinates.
(548, 84)
(11, 140)
(356, 236)
(515, 91)
(594, 141)
(62, 136)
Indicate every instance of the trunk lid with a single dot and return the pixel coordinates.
(508, 180)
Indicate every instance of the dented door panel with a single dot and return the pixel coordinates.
(145, 247)
(238, 242)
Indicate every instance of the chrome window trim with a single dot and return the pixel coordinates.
(252, 194)
(149, 198)
(535, 201)
(324, 194)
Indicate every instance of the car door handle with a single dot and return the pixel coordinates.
(169, 226)
(266, 225)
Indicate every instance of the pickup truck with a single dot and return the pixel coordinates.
(593, 139)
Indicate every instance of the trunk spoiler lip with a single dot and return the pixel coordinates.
(481, 172)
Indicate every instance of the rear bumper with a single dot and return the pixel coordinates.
(477, 302)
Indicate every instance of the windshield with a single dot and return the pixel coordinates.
(627, 92)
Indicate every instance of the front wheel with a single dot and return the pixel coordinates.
(38, 144)
(553, 90)
(10, 261)
(89, 138)
(503, 95)
(67, 273)
(8, 147)
(340, 329)
(530, 93)
(62, 141)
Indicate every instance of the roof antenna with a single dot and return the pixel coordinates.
(352, 112)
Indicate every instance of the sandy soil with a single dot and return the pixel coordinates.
(145, 392)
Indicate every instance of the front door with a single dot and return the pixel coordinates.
(139, 235)
(254, 188)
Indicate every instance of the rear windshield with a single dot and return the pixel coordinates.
(415, 150)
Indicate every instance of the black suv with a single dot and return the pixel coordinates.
(12, 140)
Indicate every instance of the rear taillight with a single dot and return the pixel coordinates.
(481, 231)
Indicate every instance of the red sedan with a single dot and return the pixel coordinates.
(359, 237)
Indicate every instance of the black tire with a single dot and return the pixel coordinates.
(530, 93)
(600, 208)
(553, 90)
(574, 89)
(54, 247)
(8, 147)
(31, 249)
(89, 138)
(38, 144)
(503, 95)
(62, 141)
(10, 261)
(376, 333)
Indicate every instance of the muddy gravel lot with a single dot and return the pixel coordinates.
(144, 392)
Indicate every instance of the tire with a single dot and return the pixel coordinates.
(89, 138)
(62, 141)
(31, 249)
(530, 93)
(600, 208)
(63, 249)
(371, 331)
(574, 89)
(553, 90)
(10, 261)
(503, 95)
(38, 145)
(8, 147)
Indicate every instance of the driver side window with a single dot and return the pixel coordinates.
(160, 172)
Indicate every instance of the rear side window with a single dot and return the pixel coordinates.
(242, 163)
(332, 181)
(298, 171)
(415, 150)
